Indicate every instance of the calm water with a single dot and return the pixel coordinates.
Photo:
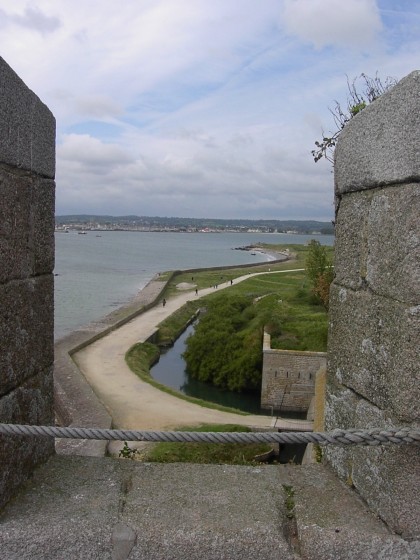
(170, 370)
(98, 272)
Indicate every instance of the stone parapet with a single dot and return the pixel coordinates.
(372, 350)
(27, 167)
(373, 343)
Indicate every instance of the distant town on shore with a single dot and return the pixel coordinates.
(85, 222)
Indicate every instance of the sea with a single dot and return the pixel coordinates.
(100, 271)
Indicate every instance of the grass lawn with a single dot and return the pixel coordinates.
(295, 319)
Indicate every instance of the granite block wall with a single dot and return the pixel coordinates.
(374, 339)
(27, 168)
(288, 378)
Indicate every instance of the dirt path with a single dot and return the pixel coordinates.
(134, 404)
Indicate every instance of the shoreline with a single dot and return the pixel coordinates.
(143, 297)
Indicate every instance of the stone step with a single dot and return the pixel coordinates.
(332, 522)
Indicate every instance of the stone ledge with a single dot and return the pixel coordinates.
(380, 145)
(82, 507)
(27, 126)
(334, 523)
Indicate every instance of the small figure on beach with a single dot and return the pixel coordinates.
(164, 302)
(196, 292)
(231, 282)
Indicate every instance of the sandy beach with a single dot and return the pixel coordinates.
(135, 404)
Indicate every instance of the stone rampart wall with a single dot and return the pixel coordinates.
(373, 354)
(27, 167)
(288, 379)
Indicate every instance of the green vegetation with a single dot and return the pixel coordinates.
(359, 97)
(175, 324)
(127, 452)
(224, 350)
(319, 453)
(207, 453)
(320, 271)
(290, 501)
(206, 278)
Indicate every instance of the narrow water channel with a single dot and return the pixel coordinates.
(170, 370)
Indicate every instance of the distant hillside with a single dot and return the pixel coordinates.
(157, 222)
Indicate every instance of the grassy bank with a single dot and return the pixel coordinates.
(207, 453)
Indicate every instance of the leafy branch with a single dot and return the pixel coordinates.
(357, 100)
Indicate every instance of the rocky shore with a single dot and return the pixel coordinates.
(269, 253)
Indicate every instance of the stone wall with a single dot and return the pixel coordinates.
(288, 378)
(373, 354)
(27, 167)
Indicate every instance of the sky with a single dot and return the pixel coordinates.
(200, 108)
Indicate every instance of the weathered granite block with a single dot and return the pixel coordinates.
(378, 242)
(374, 350)
(26, 329)
(27, 126)
(31, 403)
(26, 225)
(351, 234)
(381, 144)
(385, 475)
(393, 262)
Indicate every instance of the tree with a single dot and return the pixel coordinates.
(320, 271)
(357, 100)
(223, 350)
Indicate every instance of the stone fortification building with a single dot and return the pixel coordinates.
(288, 378)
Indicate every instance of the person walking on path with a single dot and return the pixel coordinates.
(164, 302)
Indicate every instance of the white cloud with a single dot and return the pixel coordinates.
(200, 108)
(32, 18)
(333, 22)
(90, 151)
